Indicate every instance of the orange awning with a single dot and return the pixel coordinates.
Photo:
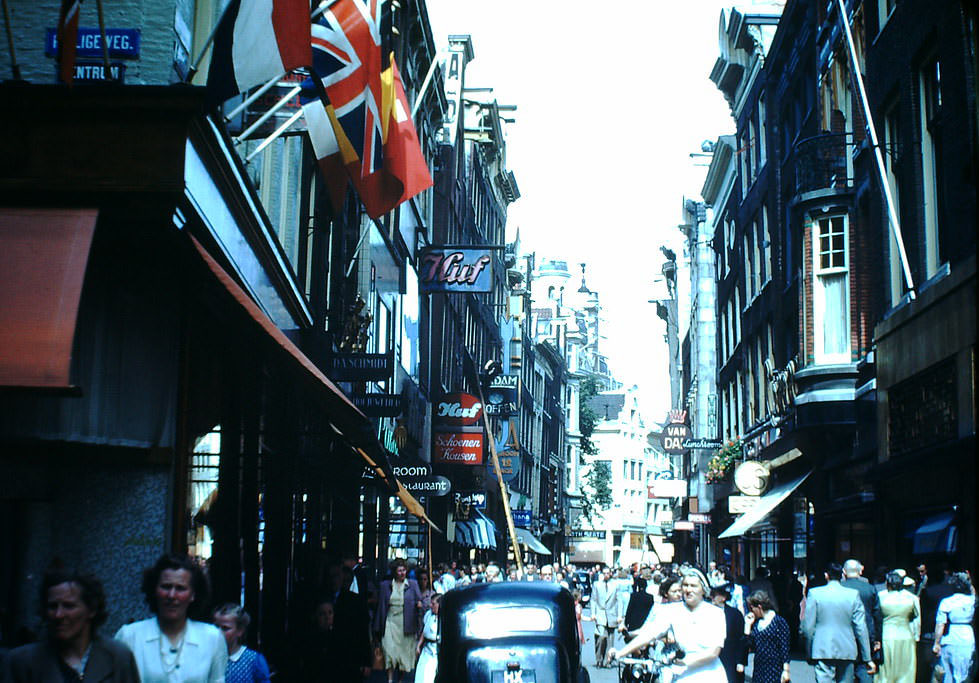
(43, 256)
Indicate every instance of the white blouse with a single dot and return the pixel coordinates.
(201, 657)
(696, 631)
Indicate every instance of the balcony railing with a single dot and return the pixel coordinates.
(824, 162)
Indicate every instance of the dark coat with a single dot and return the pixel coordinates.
(110, 660)
(640, 603)
(870, 604)
(412, 597)
(733, 652)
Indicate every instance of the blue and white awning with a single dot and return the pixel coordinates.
(478, 532)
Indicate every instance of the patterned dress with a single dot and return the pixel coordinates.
(247, 666)
(771, 646)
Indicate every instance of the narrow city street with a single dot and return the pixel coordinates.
(327, 326)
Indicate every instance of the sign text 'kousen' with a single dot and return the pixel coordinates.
(455, 270)
(457, 448)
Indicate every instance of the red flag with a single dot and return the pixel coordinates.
(403, 156)
(67, 39)
(257, 40)
(368, 107)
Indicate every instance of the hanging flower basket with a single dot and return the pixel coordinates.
(721, 465)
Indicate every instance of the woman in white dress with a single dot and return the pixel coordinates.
(955, 640)
(170, 647)
(427, 648)
(699, 628)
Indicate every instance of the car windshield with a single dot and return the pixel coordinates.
(497, 621)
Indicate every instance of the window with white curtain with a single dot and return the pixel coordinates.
(831, 309)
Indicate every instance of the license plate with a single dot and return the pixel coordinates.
(515, 676)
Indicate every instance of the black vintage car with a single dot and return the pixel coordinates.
(518, 632)
(581, 580)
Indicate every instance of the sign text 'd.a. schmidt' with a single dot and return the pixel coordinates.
(455, 270)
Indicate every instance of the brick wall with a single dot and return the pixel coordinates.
(154, 18)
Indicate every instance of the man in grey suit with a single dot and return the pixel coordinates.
(835, 628)
(604, 613)
(853, 578)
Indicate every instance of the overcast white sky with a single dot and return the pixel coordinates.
(612, 98)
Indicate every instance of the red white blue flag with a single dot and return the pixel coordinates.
(256, 41)
(373, 131)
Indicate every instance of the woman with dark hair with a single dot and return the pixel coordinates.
(768, 635)
(170, 646)
(72, 606)
(670, 591)
(396, 620)
(900, 630)
(955, 641)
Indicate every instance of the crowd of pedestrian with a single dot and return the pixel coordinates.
(896, 629)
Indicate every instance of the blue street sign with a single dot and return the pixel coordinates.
(122, 42)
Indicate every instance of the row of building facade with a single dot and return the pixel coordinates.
(202, 354)
(812, 350)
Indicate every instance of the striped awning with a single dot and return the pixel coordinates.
(479, 532)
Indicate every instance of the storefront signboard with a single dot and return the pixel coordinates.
(361, 367)
(457, 448)
(738, 505)
(458, 271)
(521, 518)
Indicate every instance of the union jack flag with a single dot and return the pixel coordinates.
(363, 101)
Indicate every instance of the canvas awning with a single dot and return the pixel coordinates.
(478, 532)
(345, 418)
(43, 257)
(766, 504)
(937, 534)
(527, 539)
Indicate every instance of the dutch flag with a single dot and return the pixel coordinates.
(256, 41)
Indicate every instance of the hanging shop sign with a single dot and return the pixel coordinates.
(461, 271)
(699, 517)
(674, 434)
(501, 398)
(414, 469)
(751, 477)
(379, 405)
(122, 42)
(457, 448)
(426, 485)
(476, 499)
(458, 410)
(509, 465)
(521, 518)
(361, 367)
(738, 505)
(703, 444)
(683, 525)
(667, 488)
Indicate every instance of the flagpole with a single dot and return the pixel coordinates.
(278, 131)
(892, 218)
(107, 76)
(439, 57)
(267, 115)
(251, 98)
(192, 71)
(14, 66)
